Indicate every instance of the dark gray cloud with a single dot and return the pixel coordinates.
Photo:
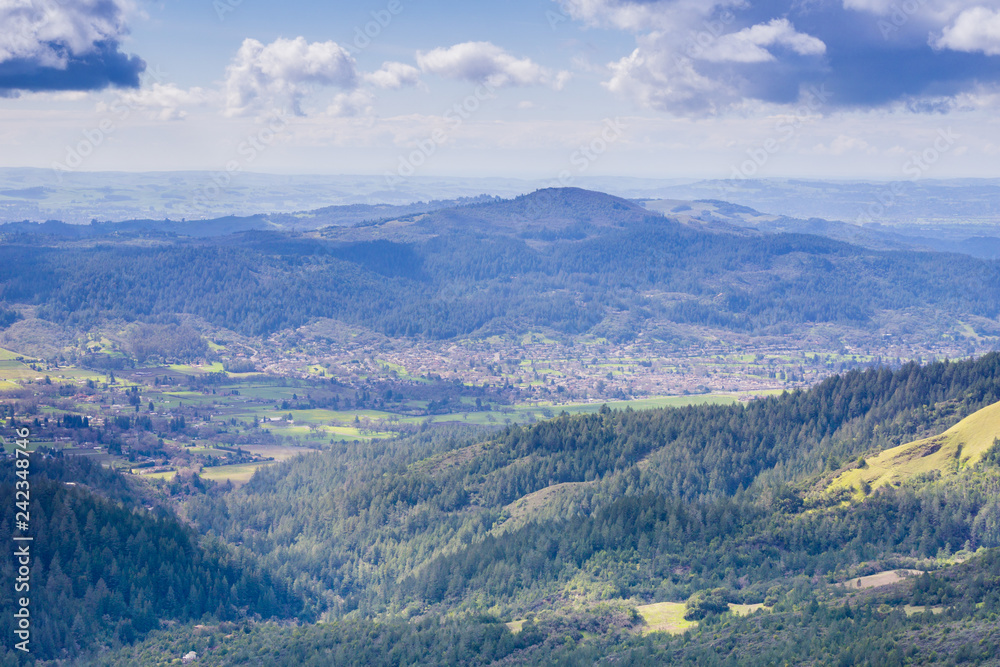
(48, 45)
(704, 57)
(105, 66)
(877, 53)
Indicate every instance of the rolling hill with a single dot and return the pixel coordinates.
(567, 260)
(962, 446)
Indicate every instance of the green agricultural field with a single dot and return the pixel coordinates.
(315, 428)
(12, 370)
(652, 402)
(237, 474)
(278, 452)
(323, 432)
(211, 451)
(189, 369)
(317, 416)
(9, 446)
(524, 413)
(157, 475)
(266, 392)
(75, 373)
(321, 416)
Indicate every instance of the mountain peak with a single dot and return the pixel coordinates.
(545, 210)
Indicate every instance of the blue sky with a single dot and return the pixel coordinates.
(877, 89)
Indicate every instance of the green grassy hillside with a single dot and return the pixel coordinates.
(961, 446)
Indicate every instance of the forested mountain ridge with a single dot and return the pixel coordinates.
(709, 477)
(415, 549)
(569, 261)
(716, 506)
(107, 571)
(297, 221)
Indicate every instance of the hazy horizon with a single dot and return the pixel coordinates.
(549, 91)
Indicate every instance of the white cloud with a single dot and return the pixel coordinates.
(42, 30)
(394, 75)
(937, 10)
(263, 77)
(61, 96)
(352, 103)
(844, 144)
(660, 74)
(975, 29)
(748, 45)
(658, 79)
(165, 101)
(486, 62)
(689, 52)
(872, 6)
(643, 16)
(917, 17)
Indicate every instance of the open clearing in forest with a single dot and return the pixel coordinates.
(278, 452)
(746, 609)
(665, 617)
(878, 579)
(515, 626)
(524, 508)
(911, 610)
(669, 616)
(239, 473)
